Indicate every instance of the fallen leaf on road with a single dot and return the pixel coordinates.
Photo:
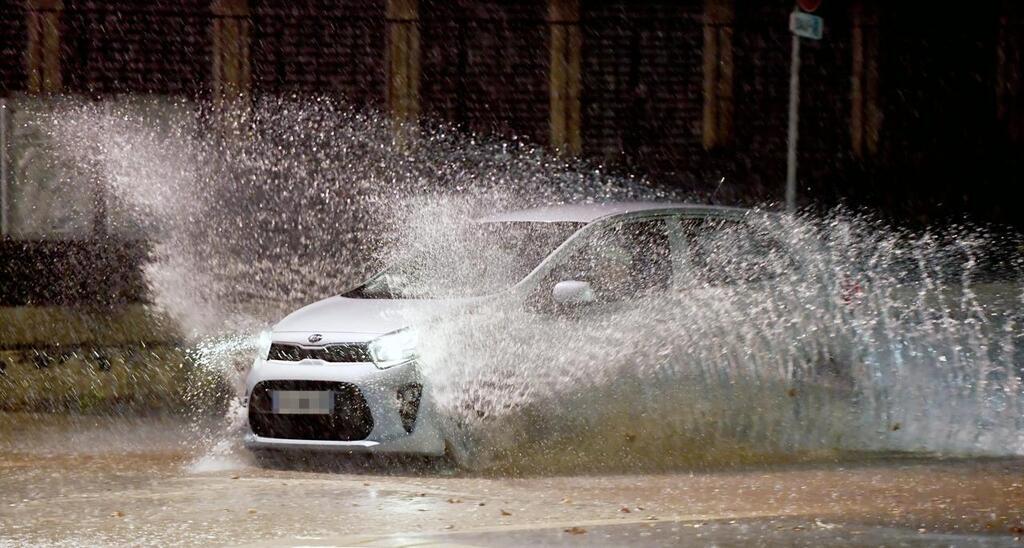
(504, 513)
(454, 501)
(625, 510)
(576, 530)
(235, 477)
(117, 514)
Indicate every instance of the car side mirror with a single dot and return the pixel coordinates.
(573, 293)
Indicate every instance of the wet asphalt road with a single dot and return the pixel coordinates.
(91, 482)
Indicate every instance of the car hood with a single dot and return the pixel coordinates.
(362, 318)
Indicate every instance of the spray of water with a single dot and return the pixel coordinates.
(862, 338)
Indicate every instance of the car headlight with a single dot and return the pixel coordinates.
(394, 348)
(263, 345)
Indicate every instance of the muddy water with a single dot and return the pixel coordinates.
(100, 481)
(931, 361)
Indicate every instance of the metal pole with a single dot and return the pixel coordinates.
(3, 166)
(794, 119)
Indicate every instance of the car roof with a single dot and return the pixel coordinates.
(586, 213)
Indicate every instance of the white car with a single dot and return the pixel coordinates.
(341, 374)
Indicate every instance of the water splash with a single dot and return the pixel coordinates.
(877, 340)
(923, 356)
(292, 204)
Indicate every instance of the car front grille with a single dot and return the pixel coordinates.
(350, 420)
(334, 353)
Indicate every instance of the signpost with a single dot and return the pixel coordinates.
(3, 167)
(808, 26)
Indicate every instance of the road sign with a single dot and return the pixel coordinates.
(809, 5)
(806, 25)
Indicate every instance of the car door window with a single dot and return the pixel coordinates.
(723, 252)
(626, 261)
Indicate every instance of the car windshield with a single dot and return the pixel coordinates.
(474, 259)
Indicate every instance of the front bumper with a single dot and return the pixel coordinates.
(381, 391)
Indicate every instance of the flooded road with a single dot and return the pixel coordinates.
(793, 392)
(99, 481)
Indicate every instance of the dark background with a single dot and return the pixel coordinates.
(950, 130)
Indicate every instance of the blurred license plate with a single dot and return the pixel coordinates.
(302, 402)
